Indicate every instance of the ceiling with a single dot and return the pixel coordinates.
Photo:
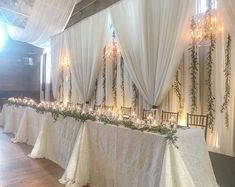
(15, 12)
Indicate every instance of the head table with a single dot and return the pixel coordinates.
(104, 155)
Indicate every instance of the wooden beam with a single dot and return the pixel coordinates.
(87, 8)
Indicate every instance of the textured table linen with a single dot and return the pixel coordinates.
(110, 156)
(51, 139)
(104, 155)
(10, 118)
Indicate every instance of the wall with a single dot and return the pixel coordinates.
(18, 77)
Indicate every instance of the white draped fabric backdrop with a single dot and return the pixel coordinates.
(46, 18)
(152, 44)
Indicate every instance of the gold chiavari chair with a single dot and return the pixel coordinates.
(170, 117)
(107, 107)
(147, 113)
(96, 107)
(198, 121)
(126, 112)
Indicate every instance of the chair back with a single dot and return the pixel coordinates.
(168, 116)
(126, 112)
(80, 105)
(147, 113)
(107, 107)
(200, 121)
(96, 107)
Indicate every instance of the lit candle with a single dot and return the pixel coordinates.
(172, 120)
(154, 123)
(120, 117)
(138, 121)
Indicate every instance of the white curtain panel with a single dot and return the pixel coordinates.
(85, 42)
(58, 53)
(46, 19)
(226, 9)
(151, 35)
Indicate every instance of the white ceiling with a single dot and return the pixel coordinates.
(15, 12)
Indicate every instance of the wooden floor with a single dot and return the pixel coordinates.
(18, 170)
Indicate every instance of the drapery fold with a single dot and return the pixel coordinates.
(46, 19)
(226, 9)
(151, 36)
(58, 54)
(222, 139)
(85, 42)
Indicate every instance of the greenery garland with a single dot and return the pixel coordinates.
(227, 75)
(177, 86)
(96, 86)
(61, 87)
(211, 97)
(122, 83)
(169, 133)
(104, 78)
(194, 68)
(70, 85)
(135, 96)
(114, 86)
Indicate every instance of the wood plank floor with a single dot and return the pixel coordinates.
(18, 170)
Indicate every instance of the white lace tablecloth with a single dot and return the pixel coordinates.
(51, 139)
(110, 156)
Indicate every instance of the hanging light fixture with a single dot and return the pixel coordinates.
(203, 27)
(65, 63)
(112, 50)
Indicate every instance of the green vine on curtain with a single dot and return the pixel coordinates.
(210, 63)
(70, 85)
(104, 78)
(177, 86)
(115, 60)
(135, 95)
(227, 75)
(193, 68)
(96, 86)
(122, 83)
(61, 87)
(114, 86)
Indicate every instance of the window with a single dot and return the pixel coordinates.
(201, 6)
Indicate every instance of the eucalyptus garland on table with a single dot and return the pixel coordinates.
(169, 133)
(210, 63)
(227, 75)
(194, 68)
(122, 83)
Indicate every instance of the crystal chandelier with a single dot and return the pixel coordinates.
(112, 50)
(203, 27)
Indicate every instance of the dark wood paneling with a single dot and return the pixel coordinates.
(82, 11)
(17, 77)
